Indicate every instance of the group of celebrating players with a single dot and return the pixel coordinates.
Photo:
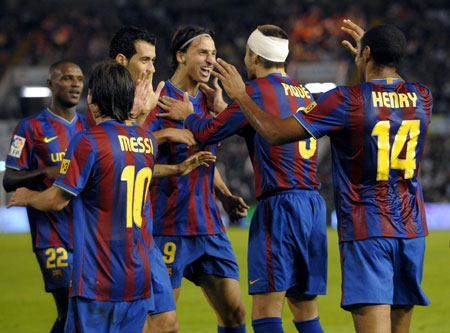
(122, 205)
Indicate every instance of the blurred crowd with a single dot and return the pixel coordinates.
(42, 32)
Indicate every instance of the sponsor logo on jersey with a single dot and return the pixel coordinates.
(17, 145)
(310, 107)
(47, 140)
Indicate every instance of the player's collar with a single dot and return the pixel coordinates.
(61, 118)
(386, 80)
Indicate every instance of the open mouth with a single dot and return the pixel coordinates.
(206, 71)
(74, 93)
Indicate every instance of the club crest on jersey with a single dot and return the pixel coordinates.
(57, 274)
(64, 166)
(17, 145)
(310, 107)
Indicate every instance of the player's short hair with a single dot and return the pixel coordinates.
(124, 41)
(272, 31)
(53, 67)
(112, 89)
(181, 36)
(387, 44)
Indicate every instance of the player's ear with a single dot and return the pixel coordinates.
(181, 57)
(50, 84)
(367, 53)
(121, 59)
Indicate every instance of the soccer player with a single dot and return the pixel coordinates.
(37, 148)
(188, 228)
(287, 253)
(106, 173)
(377, 131)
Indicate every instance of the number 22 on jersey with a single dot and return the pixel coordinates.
(137, 190)
(407, 134)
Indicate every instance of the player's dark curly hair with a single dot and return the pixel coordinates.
(181, 36)
(124, 39)
(112, 89)
(387, 44)
(271, 31)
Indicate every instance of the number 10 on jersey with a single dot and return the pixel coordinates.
(137, 190)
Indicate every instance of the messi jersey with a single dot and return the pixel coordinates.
(41, 141)
(377, 131)
(276, 168)
(184, 206)
(108, 170)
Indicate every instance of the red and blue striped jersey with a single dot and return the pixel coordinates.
(41, 141)
(185, 206)
(276, 168)
(377, 131)
(108, 170)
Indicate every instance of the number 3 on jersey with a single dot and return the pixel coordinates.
(407, 134)
(137, 190)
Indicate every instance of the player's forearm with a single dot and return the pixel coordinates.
(275, 130)
(161, 136)
(13, 179)
(166, 170)
(52, 199)
(220, 188)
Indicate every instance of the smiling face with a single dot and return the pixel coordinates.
(199, 59)
(143, 61)
(66, 84)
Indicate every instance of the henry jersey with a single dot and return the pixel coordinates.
(41, 141)
(108, 169)
(186, 206)
(276, 168)
(377, 131)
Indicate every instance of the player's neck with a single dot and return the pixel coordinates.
(263, 72)
(63, 112)
(379, 73)
(184, 83)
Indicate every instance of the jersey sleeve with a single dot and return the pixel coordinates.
(228, 122)
(21, 148)
(77, 165)
(326, 115)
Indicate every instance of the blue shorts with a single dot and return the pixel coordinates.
(287, 248)
(162, 291)
(88, 315)
(56, 267)
(382, 271)
(193, 256)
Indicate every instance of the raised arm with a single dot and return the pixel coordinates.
(275, 130)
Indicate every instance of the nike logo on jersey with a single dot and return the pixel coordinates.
(254, 281)
(47, 140)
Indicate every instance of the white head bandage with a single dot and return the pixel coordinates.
(195, 37)
(271, 48)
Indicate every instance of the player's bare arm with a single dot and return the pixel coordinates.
(174, 108)
(52, 198)
(188, 165)
(13, 179)
(234, 205)
(275, 130)
(175, 135)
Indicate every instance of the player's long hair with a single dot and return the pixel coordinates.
(124, 39)
(112, 89)
(387, 44)
(181, 36)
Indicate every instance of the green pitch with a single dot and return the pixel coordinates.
(25, 307)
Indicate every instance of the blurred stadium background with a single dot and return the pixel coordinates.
(34, 34)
